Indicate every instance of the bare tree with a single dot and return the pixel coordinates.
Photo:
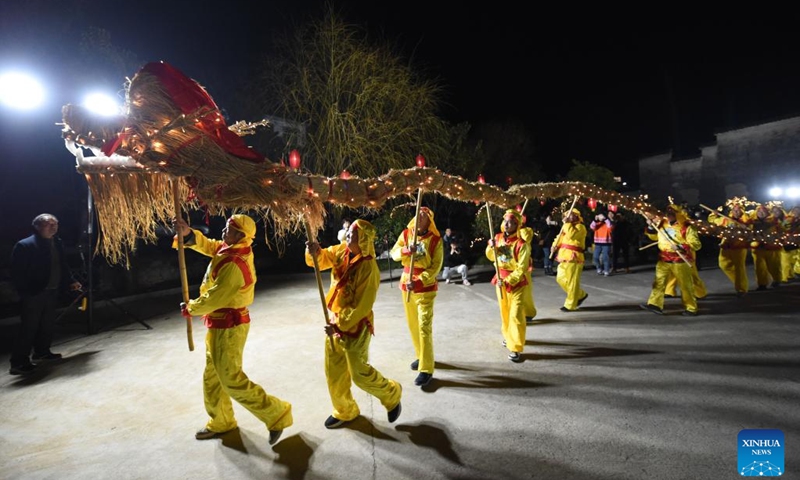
(364, 109)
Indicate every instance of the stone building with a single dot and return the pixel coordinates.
(742, 162)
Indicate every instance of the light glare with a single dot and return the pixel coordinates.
(793, 192)
(101, 104)
(775, 192)
(21, 91)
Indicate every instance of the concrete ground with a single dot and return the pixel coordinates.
(609, 392)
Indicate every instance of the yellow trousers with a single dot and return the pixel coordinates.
(683, 274)
(347, 363)
(224, 379)
(733, 262)
(568, 277)
(419, 315)
(512, 314)
(700, 290)
(528, 306)
(788, 260)
(767, 264)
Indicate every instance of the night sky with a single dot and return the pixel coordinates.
(600, 85)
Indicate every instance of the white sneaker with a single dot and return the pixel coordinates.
(467, 283)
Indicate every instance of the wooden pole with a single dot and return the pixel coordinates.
(313, 239)
(722, 215)
(494, 248)
(182, 261)
(648, 246)
(414, 242)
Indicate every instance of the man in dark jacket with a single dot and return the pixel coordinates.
(38, 270)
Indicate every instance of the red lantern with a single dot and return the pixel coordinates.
(592, 203)
(612, 207)
(344, 175)
(519, 208)
(541, 202)
(294, 159)
(420, 161)
(509, 181)
(481, 179)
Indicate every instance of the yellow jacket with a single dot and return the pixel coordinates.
(354, 285)
(229, 281)
(570, 242)
(513, 258)
(682, 234)
(427, 261)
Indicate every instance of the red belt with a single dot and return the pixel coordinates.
(226, 318)
(363, 323)
(571, 247)
(417, 285)
(510, 288)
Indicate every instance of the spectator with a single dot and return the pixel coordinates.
(455, 261)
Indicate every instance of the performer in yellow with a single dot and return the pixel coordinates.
(766, 255)
(513, 261)
(677, 241)
(423, 285)
(355, 278)
(226, 292)
(570, 245)
(732, 252)
(792, 269)
(527, 234)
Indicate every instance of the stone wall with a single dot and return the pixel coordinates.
(742, 162)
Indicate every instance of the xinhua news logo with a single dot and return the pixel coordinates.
(760, 453)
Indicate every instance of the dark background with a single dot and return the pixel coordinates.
(602, 85)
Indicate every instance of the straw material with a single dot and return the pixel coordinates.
(168, 143)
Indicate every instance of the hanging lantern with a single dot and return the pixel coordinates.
(519, 208)
(294, 159)
(420, 161)
(481, 179)
(612, 207)
(509, 181)
(591, 203)
(541, 202)
(344, 175)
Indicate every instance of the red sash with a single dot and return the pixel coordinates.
(226, 317)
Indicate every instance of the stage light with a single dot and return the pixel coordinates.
(102, 104)
(775, 192)
(793, 192)
(20, 91)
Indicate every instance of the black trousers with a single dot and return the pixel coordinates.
(621, 251)
(37, 323)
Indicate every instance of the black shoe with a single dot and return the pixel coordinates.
(652, 308)
(423, 379)
(395, 413)
(206, 434)
(528, 320)
(583, 299)
(47, 356)
(26, 369)
(333, 422)
(274, 436)
(515, 357)
(687, 313)
(761, 288)
(740, 294)
(563, 309)
(776, 284)
(415, 365)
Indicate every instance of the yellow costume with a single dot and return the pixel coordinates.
(766, 256)
(699, 285)
(672, 236)
(733, 253)
(427, 264)
(354, 286)
(528, 305)
(570, 244)
(226, 292)
(792, 264)
(513, 261)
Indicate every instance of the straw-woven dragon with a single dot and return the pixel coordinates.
(173, 131)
